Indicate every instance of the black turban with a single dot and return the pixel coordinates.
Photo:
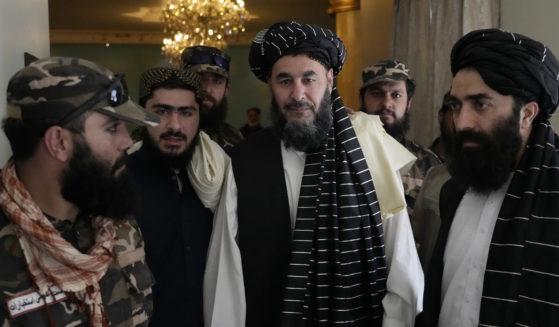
(292, 38)
(511, 64)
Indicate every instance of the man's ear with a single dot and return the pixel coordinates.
(58, 143)
(330, 77)
(227, 88)
(528, 113)
(409, 104)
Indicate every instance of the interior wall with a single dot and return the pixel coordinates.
(246, 90)
(366, 35)
(536, 19)
(24, 27)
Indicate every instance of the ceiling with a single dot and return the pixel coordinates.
(137, 21)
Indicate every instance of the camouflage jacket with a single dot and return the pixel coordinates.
(225, 135)
(413, 179)
(125, 288)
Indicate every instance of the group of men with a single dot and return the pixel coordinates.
(304, 223)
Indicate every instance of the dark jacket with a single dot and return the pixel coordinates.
(176, 227)
(264, 225)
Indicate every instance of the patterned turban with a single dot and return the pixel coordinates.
(511, 64)
(292, 38)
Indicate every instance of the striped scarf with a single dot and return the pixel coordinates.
(337, 274)
(51, 260)
(521, 283)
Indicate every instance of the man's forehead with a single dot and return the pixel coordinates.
(297, 65)
(388, 85)
(211, 76)
(468, 82)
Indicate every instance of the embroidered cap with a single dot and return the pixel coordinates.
(153, 77)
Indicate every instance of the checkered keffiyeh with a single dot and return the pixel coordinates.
(51, 260)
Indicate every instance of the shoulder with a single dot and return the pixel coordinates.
(263, 139)
(425, 157)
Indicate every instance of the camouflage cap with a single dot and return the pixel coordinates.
(385, 70)
(202, 59)
(153, 77)
(55, 90)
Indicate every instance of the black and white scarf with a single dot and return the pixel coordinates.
(521, 283)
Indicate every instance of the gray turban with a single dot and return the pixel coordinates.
(511, 64)
(292, 38)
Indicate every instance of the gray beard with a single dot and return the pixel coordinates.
(304, 136)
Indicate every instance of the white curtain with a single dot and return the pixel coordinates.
(423, 34)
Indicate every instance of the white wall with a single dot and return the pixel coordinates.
(24, 27)
(536, 19)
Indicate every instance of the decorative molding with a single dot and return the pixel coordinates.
(338, 6)
(127, 37)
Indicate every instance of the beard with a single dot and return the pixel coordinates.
(213, 116)
(304, 136)
(177, 161)
(487, 166)
(399, 127)
(91, 184)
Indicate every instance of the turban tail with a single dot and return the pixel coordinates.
(511, 64)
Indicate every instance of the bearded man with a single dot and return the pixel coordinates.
(312, 226)
(495, 261)
(213, 66)
(175, 216)
(71, 253)
(387, 91)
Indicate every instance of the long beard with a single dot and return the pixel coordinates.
(90, 183)
(304, 136)
(487, 166)
(211, 117)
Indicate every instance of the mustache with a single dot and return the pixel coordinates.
(173, 134)
(120, 162)
(385, 111)
(298, 104)
(470, 136)
(206, 96)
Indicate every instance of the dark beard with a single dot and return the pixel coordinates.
(487, 166)
(177, 161)
(91, 185)
(400, 127)
(211, 117)
(304, 136)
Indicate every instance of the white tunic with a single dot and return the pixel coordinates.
(465, 257)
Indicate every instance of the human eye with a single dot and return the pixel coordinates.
(185, 112)
(453, 105)
(481, 105)
(113, 127)
(396, 95)
(375, 93)
(161, 111)
(284, 81)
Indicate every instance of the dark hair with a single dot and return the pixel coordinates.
(171, 83)
(24, 137)
(253, 109)
(410, 89)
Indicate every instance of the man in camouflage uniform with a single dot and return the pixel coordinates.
(213, 66)
(387, 91)
(71, 253)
